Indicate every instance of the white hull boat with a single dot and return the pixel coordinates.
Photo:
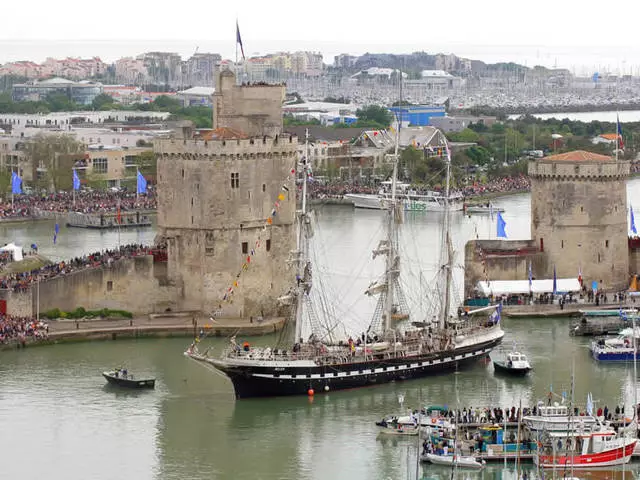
(452, 460)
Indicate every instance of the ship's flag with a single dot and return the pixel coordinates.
(76, 180)
(501, 230)
(633, 221)
(16, 183)
(239, 39)
(619, 133)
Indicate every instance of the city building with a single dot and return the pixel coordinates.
(201, 96)
(345, 61)
(417, 115)
(578, 227)
(82, 92)
(199, 69)
(227, 251)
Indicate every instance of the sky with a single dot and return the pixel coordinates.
(568, 34)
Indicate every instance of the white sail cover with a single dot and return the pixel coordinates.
(516, 287)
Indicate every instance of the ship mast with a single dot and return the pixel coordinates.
(447, 248)
(301, 244)
(392, 239)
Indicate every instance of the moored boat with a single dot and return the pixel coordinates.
(618, 349)
(585, 451)
(485, 208)
(122, 378)
(458, 461)
(557, 418)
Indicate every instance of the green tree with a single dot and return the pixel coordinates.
(374, 115)
(59, 102)
(467, 136)
(103, 102)
(53, 155)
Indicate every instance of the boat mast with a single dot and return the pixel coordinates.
(301, 246)
(447, 247)
(392, 231)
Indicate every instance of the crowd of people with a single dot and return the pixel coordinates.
(22, 281)
(512, 184)
(21, 329)
(25, 206)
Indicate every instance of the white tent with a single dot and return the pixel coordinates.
(16, 252)
(516, 287)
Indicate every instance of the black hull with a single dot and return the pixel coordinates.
(267, 381)
(130, 383)
(517, 372)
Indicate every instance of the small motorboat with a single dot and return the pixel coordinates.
(122, 378)
(459, 461)
(515, 363)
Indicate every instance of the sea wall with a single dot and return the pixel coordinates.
(135, 284)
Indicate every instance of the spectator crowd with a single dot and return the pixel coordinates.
(22, 281)
(24, 206)
(21, 329)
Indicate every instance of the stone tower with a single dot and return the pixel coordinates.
(579, 217)
(215, 193)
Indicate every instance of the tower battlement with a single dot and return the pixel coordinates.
(571, 170)
(259, 147)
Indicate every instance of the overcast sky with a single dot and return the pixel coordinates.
(545, 31)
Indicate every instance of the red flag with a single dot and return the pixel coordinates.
(118, 216)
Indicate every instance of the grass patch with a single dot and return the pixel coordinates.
(32, 262)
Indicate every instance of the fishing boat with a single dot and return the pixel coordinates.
(428, 417)
(622, 348)
(122, 378)
(400, 429)
(482, 209)
(382, 354)
(513, 363)
(584, 451)
(453, 460)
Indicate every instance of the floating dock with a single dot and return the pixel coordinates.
(105, 222)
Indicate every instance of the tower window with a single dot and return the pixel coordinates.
(582, 209)
(606, 243)
(245, 247)
(598, 258)
(235, 180)
(561, 243)
(183, 173)
(268, 244)
(264, 187)
(542, 244)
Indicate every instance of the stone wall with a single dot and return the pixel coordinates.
(254, 110)
(130, 284)
(504, 260)
(214, 199)
(579, 219)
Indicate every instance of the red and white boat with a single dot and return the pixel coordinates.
(585, 451)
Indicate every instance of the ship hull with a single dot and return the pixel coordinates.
(608, 458)
(268, 381)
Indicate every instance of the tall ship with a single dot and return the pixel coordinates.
(410, 200)
(392, 348)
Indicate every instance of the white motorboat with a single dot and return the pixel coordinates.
(485, 209)
(400, 429)
(459, 461)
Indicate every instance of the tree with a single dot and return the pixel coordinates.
(103, 102)
(53, 156)
(374, 114)
(466, 136)
(59, 102)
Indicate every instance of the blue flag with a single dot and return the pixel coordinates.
(141, 184)
(633, 221)
(56, 230)
(239, 39)
(501, 227)
(530, 277)
(16, 183)
(555, 281)
(76, 180)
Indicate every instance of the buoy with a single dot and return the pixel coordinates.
(326, 388)
(310, 392)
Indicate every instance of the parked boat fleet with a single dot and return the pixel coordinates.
(551, 435)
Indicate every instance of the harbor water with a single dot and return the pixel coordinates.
(59, 420)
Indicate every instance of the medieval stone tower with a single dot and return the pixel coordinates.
(215, 194)
(579, 217)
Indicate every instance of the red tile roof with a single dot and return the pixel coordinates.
(578, 156)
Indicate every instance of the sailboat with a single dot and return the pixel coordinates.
(385, 353)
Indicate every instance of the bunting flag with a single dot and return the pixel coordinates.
(227, 296)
